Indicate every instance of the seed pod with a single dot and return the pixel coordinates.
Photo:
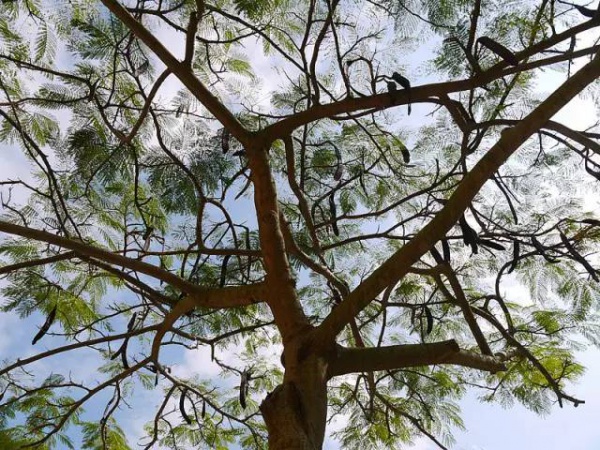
(405, 154)
(491, 244)
(131, 322)
(578, 257)
(225, 140)
(392, 90)
(224, 270)
(446, 250)
(124, 356)
(333, 212)
(403, 81)
(244, 387)
(540, 248)
(339, 170)
(46, 326)
(203, 409)
(147, 237)
(587, 12)
(469, 234)
(182, 407)
(429, 318)
(179, 111)
(436, 255)
(516, 254)
(592, 222)
(500, 50)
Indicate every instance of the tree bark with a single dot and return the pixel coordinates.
(296, 411)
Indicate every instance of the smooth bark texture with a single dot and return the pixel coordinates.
(397, 357)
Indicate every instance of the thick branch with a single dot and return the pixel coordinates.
(211, 298)
(400, 262)
(281, 294)
(182, 70)
(352, 360)
(233, 296)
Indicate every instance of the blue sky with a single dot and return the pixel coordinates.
(489, 426)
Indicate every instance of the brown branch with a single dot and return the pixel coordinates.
(37, 262)
(281, 294)
(74, 346)
(400, 262)
(418, 94)
(182, 71)
(231, 296)
(395, 357)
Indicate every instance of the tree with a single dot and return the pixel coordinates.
(176, 201)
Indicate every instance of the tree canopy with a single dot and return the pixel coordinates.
(352, 211)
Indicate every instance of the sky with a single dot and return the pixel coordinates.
(489, 426)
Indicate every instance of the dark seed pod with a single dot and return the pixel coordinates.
(446, 250)
(579, 257)
(203, 409)
(392, 90)
(500, 50)
(436, 255)
(593, 222)
(182, 407)
(124, 356)
(491, 244)
(429, 318)
(179, 111)
(405, 154)
(224, 270)
(516, 254)
(339, 169)
(46, 326)
(540, 248)
(244, 387)
(225, 140)
(587, 12)
(333, 212)
(116, 354)
(403, 81)
(131, 322)
(469, 235)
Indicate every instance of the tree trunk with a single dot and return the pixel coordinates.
(296, 411)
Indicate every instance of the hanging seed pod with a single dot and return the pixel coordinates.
(245, 379)
(500, 50)
(131, 322)
(469, 235)
(429, 318)
(333, 212)
(403, 81)
(225, 140)
(446, 250)
(184, 414)
(491, 244)
(516, 254)
(224, 270)
(46, 326)
(579, 257)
